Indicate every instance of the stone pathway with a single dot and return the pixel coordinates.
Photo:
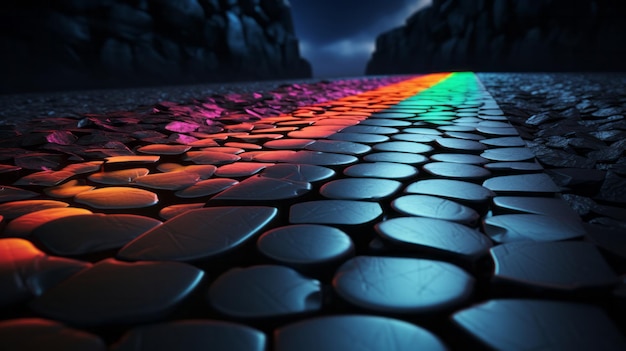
(408, 215)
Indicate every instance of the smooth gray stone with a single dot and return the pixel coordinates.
(454, 189)
(527, 183)
(402, 285)
(305, 245)
(264, 291)
(387, 170)
(360, 188)
(435, 207)
(532, 227)
(421, 232)
(346, 212)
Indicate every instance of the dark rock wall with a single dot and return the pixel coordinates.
(115, 43)
(506, 35)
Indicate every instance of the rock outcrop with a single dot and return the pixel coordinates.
(506, 35)
(115, 43)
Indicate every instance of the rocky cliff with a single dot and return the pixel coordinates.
(115, 43)
(506, 35)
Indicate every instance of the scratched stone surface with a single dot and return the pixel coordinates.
(440, 211)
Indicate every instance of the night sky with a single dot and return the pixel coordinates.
(338, 36)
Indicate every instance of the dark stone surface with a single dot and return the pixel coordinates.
(514, 36)
(116, 43)
(307, 237)
(339, 333)
(504, 324)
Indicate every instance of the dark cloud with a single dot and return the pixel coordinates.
(338, 36)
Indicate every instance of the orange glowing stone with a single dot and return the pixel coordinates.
(22, 226)
(164, 149)
(204, 171)
(16, 209)
(117, 198)
(121, 177)
(69, 189)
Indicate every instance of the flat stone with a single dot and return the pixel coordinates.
(399, 115)
(497, 131)
(346, 332)
(532, 227)
(339, 147)
(83, 234)
(346, 212)
(262, 188)
(397, 157)
(504, 142)
(117, 198)
(386, 170)
(264, 291)
(68, 189)
(24, 225)
(435, 207)
(460, 144)
(192, 335)
(417, 138)
(288, 144)
(381, 122)
(438, 234)
(381, 284)
(556, 265)
(305, 245)
(307, 157)
(403, 146)
(113, 292)
(9, 193)
(119, 177)
(131, 159)
(27, 272)
(549, 206)
(14, 209)
(359, 137)
(505, 324)
(42, 334)
(464, 135)
(426, 131)
(360, 189)
(241, 169)
(456, 170)
(163, 149)
(203, 171)
(370, 130)
(168, 181)
(45, 178)
(514, 166)
(206, 188)
(298, 172)
(526, 183)
(509, 154)
(459, 158)
(199, 234)
(211, 157)
(454, 189)
(172, 211)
